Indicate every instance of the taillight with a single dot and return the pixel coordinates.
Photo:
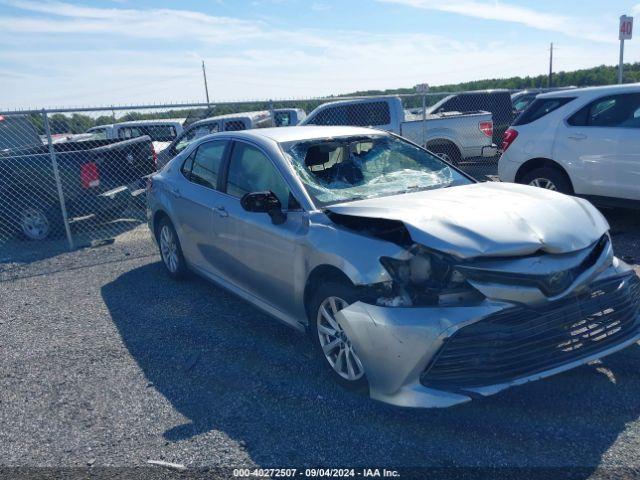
(486, 128)
(89, 175)
(155, 157)
(509, 136)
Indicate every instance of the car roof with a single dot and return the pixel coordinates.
(301, 133)
(250, 115)
(594, 91)
(488, 91)
(163, 121)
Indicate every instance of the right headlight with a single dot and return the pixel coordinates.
(423, 278)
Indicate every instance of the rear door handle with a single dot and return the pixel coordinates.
(577, 136)
(220, 210)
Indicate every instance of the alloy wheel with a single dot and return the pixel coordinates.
(543, 183)
(34, 224)
(169, 249)
(335, 344)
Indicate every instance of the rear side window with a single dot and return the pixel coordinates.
(363, 114)
(336, 115)
(461, 103)
(129, 132)
(522, 102)
(98, 133)
(282, 119)
(234, 125)
(205, 165)
(621, 111)
(160, 133)
(539, 108)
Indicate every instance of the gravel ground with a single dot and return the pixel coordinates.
(105, 361)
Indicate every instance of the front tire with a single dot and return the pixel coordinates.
(330, 342)
(170, 250)
(548, 178)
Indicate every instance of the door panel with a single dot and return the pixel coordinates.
(259, 257)
(195, 197)
(600, 145)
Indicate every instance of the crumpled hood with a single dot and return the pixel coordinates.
(488, 219)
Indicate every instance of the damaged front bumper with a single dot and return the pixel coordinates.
(445, 355)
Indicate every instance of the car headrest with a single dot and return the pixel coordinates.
(316, 156)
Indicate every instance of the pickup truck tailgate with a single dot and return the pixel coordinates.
(124, 162)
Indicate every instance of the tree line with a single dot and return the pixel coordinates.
(601, 75)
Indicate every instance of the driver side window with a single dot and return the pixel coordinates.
(252, 171)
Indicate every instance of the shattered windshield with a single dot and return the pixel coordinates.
(352, 168)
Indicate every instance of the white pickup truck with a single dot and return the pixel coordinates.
(451, 135)
(161, 132)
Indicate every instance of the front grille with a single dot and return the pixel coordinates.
(522, 341)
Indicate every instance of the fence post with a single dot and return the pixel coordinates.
(273, 117)
(424, 119)
(56, 175)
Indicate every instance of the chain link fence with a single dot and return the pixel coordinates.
(73, 177)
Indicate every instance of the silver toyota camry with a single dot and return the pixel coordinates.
(414, 282)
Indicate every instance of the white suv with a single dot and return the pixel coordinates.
(584, 142)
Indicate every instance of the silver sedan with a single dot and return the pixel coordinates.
(414, 282)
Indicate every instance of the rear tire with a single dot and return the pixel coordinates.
(549, 178)
(37, 223)
(332, 347)
(170, 250)
(447, 152)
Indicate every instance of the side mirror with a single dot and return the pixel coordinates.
(264, 202)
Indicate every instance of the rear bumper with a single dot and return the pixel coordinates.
(400, 347)
(507, 169)
(96, 203)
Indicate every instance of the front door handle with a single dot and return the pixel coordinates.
(220, 210)
(577, 136)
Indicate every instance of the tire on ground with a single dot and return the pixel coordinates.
(181, 269)
(347, 292)
(551, 174)
(40, 222)
(447, 151)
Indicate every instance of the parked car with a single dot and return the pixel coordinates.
(413, 281)
(288, 117)
(498, 102)
(453, 136)
(161, 132)
(584, 141)
(94, 177)
(522, 99)
(221, 123)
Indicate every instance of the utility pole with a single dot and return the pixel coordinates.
(206, 89)
(551, 65)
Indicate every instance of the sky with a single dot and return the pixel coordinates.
(104, 52)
